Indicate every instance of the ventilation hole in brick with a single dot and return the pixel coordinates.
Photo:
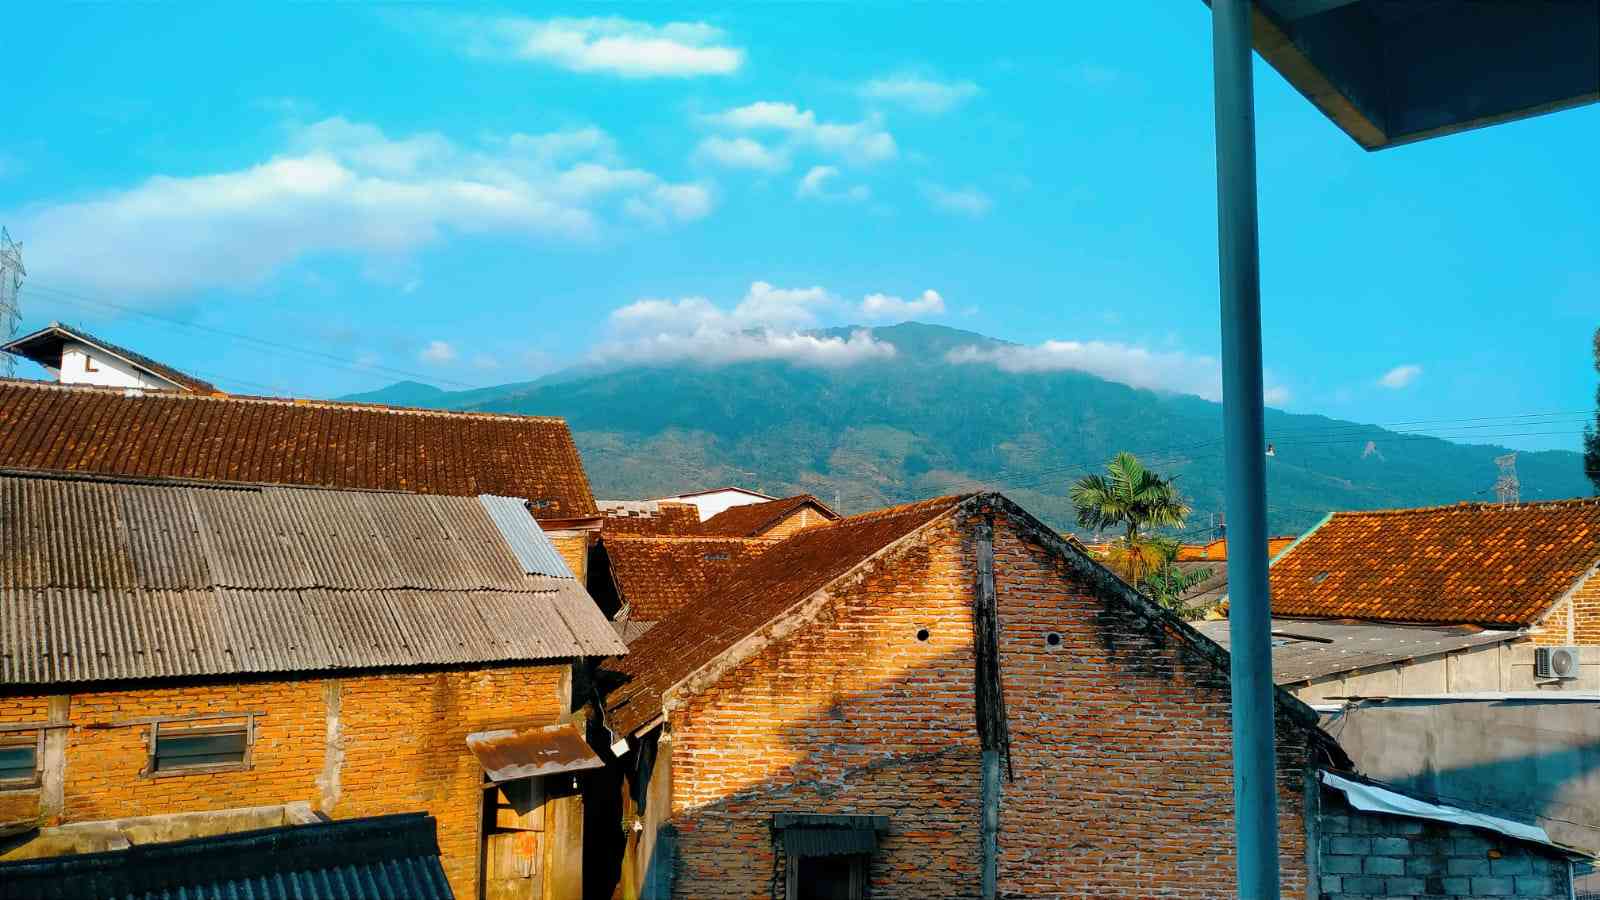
(922, 634)
(1053, 639)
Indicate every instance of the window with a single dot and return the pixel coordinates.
(829, 857)
(19, 758)
(215, 743)
(88, 364)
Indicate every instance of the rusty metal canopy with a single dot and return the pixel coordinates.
(1391, 72)
(510, 753)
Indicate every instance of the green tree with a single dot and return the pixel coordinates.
(1134, 500)
(1167, 584)
(1591, 433)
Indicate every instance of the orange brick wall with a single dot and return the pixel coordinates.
(1121, 742)
(1551, 631)
(804, 517)
(1121, 747)
(403, 738)
(574, 548)
(1586, 612)
(850, 715)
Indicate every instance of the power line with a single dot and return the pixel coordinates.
(317, 356)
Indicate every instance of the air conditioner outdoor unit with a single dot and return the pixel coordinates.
(1555, 662)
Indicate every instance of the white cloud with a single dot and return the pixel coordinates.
(814, 186)
(1400, 376)
(963, 201)
(920, 94)
(1127, 364)
(741, 153)
(710, 346)
(866, 141)
(611, 45)
(342, 187)
(883, 306)
(438, 353)
(763, 306)
(766, 324)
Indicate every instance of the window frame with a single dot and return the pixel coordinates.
(860, 863)
(7, 740)
(153, 739)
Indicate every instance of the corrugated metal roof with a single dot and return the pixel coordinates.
(526, 539)
(348, 859)
(110, 580)
(508, 754)
(1303, 649)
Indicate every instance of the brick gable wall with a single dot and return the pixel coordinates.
(401, 747)
(1120, 741)
(1121, 746)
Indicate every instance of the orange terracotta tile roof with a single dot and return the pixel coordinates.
(113, 431)
(750, 597)
(754, 519)
(657, 576)
(669, 518)
(1474, 563)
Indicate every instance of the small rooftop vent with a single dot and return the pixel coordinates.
(1560, 663)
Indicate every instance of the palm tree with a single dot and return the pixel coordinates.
(1135, 499)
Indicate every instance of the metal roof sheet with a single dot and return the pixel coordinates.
(525, 538)
(509, 754)
(1303, 649)
(347, 859)
(112, 580)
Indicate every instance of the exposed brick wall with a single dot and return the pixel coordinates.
(1121, 745)
(1586, 611)
(1120, 742)
(402, 736)
(1551, 631)
(804, 517)
(850, 715)
(1369, 855)
(574, 548)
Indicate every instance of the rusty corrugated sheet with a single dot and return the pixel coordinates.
(111, 580)
(509, 754)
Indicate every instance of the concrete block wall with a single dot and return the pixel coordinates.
(1369, 855)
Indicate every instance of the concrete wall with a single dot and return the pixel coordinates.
(715, 502)
(1527, 760)
(1368, 855)
(350, 747)
(109, 371)
(1501, 667)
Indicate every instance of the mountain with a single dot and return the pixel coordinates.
(916, 426)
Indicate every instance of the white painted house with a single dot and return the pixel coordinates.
(72, 356)
(716, 500)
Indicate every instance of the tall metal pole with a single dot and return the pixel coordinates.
(1255, 802)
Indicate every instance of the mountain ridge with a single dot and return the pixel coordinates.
(914, 425)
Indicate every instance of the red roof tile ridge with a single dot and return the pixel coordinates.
(689, 539)
(283, 401)
(1472, 506)
(899, 509)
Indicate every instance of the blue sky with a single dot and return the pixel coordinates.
(485, 195)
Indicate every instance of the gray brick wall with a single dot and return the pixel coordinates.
(1367, 855)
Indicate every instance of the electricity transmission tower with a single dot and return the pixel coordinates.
(11, 273)
(1506, 488)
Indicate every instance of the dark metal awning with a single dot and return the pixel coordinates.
(510, 753)
(806, 834)
(1392, 72)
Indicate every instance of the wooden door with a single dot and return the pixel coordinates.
(513, 840)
